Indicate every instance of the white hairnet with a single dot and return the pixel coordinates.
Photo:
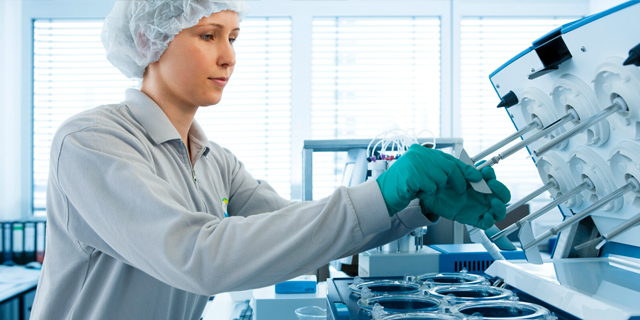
(137, 32)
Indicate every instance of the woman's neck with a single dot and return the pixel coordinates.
(178, 111)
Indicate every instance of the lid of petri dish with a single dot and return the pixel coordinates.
(422, 316)
(402, 303)
(380, 287)
(467, 293)
(311, 313)
(451, 278)
(503, 310)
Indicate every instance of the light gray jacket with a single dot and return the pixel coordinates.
(135, 231)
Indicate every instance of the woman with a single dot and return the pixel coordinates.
(147, 218)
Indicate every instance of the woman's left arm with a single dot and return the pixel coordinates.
(250, 196)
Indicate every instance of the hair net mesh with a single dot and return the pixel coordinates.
(137, 32)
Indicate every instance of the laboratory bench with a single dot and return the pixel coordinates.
(17, 291)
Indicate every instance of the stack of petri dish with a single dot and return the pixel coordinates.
(450, 296)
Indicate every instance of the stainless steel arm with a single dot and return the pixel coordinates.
(510, 229)
(550, 185)
(507, 140)
(601, 240)
(560, 122)
(583, 214)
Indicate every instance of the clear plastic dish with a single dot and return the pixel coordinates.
(451, 279)
(402, 303)
(504, 310)
(422, 316)
(380, 287)
(311, 313)
(465, 293)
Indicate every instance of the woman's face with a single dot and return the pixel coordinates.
(198, 63)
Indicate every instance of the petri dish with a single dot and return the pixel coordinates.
(466, 293)
(422, 316)
(452, 278)
(402, 303)
(503, 310)
(380, 287)
(311, 313)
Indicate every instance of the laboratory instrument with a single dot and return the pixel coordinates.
(401, 303)
(574, 97)
(381, 287)
(450, 278)
(504, 310)
(584, 71)
(421, 316)
(454, 295)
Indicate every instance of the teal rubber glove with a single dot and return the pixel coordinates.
(471, 207)
(423, 173)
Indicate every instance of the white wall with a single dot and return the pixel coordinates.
(596, 6)
(10, 109)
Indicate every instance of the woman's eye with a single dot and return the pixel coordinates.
(207, 37)
(232, 40)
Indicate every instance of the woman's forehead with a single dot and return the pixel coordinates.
(226, 19)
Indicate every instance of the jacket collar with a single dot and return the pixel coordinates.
(156, 123)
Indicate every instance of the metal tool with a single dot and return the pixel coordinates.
(572, 116)
(601, 240)
(536, 124)
(530, 245)
(587, 184)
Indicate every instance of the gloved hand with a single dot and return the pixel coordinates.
(471, 207)
(424, 173)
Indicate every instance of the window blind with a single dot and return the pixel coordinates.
(369, 75)
(487, 43)
(72, 74)
(253, 119)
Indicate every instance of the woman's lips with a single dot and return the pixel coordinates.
(219, 81)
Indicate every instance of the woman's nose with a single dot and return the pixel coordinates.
(226, 55)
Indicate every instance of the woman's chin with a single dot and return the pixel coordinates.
(209, 101)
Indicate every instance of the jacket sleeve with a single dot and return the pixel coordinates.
(247, 195)
(250, 196)
(116, 204)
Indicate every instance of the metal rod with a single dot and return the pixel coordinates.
(560, 122)
(622, 227)
(602, 240)
(506, 141)
(579, 128)
(531, 196)
(510, 229)
(579, 216)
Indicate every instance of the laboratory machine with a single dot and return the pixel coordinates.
(574, 98)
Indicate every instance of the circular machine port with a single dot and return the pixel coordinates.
(535, 105)
(625, 165)
(503, 310)
(402, 303)
(422, 316)
(451, 278)
(551, 167)
(380, 287)
(613, 80)
(571, 93)
(586, 164)
(463, 294)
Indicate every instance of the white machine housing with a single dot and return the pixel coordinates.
(607, 152)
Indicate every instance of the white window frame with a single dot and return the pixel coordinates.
(450, 13)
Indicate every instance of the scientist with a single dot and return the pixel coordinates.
(147, 217)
